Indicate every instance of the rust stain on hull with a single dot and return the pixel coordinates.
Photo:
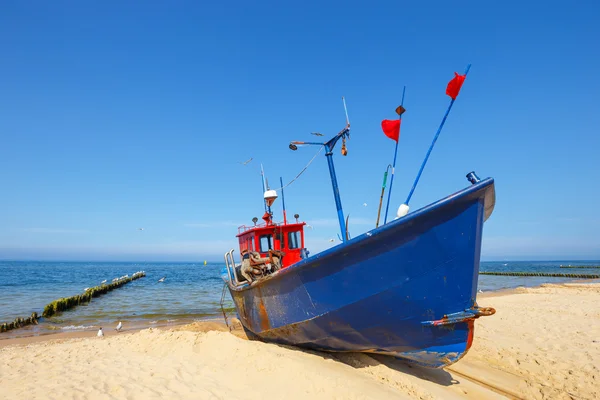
(265, 324)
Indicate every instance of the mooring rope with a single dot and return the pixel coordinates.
(301, 172)
(222, 303)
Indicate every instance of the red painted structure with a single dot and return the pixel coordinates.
(284, 236)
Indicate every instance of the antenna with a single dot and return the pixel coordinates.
(262, 174)
(346, 111)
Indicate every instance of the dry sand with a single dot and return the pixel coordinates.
(542, 343)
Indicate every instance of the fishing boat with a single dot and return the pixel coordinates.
(406, 289)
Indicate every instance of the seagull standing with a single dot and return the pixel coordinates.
(100, 333)
(119, 327)
(103, 282)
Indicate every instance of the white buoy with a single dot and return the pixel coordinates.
(119, 327)
(402, 211)
(100, 333)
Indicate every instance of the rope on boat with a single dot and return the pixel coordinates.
(553, 275)
(303, 169)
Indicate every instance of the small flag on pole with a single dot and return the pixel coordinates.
(454, 85)
(391, 128)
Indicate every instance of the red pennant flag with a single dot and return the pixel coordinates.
(391, 128)
(454, 85)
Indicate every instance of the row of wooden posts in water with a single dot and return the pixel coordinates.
(67, 303)
(580, 266)
(554, 275)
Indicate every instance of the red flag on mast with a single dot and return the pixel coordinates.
(454, 85)
(391, 128)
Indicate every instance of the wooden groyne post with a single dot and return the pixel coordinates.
(553, 275)
(66, 303)
(19, 322)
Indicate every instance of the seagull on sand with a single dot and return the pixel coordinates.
(162, 279)
(100, 333)
(119, 327)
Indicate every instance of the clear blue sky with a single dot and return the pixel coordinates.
(119, 115)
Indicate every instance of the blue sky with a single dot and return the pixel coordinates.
(120, 115)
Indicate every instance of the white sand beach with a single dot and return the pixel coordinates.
(542, 343)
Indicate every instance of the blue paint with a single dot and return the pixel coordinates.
(394, 165)
(433, 144)
(329, 146)
(376, 292)
(336, 191)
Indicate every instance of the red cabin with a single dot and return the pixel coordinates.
(285, 237)
(288, 238)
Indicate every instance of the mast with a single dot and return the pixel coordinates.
(283, 201)
(329, 146)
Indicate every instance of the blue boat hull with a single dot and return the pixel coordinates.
(406, 289)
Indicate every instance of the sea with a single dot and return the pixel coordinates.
(190, 291)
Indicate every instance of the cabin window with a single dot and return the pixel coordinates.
(266, 243)
(294, 240)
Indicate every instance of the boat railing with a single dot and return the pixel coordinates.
(226, 256)
(230, 264)
(244, 228)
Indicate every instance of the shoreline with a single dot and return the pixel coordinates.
(22, 334)
(92, 332)
(541, 344)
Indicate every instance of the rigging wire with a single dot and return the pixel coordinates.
(303, 169)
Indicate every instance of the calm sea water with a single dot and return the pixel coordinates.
(191, 291)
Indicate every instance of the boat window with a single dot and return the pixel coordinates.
(266, 243)
(294, 240)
